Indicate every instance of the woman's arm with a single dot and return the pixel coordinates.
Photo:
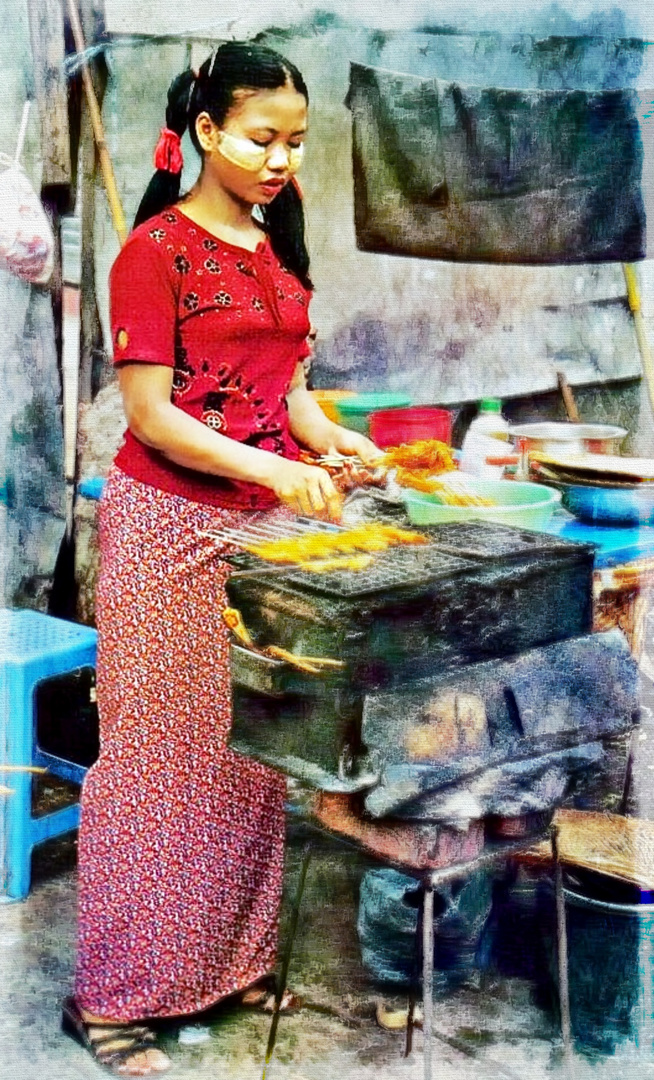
(312, 428)
(152, 418)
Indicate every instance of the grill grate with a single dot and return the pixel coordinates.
(397, 567)
(490, 541)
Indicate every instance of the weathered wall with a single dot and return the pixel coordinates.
(632, 18)
(441, 331)
(32, 483)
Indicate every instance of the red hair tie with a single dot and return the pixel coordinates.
(168, 152)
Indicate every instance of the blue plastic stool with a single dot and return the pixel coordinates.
(33, 647)
(92, 489)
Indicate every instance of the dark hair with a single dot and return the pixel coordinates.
(234, 66)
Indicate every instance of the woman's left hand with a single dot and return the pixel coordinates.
(353, 443)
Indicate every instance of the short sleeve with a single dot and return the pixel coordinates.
(143, 304)
(306, 348)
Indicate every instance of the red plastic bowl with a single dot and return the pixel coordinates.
(391, 427)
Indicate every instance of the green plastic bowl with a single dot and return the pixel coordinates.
(354, 412)
(523, 505)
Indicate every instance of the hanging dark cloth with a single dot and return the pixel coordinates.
(448, 171)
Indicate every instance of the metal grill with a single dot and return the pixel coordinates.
(397, 567)
(491, 541)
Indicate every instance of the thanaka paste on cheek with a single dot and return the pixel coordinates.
(247, 155)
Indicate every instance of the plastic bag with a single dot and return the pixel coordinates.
(26, 240)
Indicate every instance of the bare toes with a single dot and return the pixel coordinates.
(144, 1063)
(159, 1061)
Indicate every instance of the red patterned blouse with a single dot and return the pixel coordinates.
(232, 323)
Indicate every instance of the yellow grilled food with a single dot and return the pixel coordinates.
(327, 546)
(425, 455)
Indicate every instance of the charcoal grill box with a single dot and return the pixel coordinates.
(476, 593)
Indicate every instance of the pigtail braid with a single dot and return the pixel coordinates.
(163, 189)
(283, 220)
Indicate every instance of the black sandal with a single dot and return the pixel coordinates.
(110, 1048)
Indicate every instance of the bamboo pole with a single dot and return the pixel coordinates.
(633, 296)
(113, 197)
(36, 769)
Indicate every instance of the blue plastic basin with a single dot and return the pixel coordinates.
(610, 506)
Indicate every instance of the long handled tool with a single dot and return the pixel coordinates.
(286, 962)
(633, 296)
(568, 398)
(635, 306)
(106, 167)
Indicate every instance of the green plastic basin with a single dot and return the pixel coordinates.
(354, 412)
(523, 505)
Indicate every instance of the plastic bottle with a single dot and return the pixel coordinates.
(487, 436)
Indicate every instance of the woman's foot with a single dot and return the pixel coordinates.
(125, 1049)
(396, 1019)
(262, 996)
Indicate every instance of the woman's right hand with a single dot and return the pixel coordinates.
(306, 489)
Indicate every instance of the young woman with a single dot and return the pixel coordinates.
(181, 840)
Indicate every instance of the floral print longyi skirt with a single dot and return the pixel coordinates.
(181, 840)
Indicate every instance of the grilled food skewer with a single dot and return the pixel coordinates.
(234, 620)
(312, 665)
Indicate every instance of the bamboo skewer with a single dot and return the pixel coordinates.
(255, 533)
(311, 664)
(106, 167)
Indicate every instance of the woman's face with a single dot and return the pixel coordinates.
(259, 146)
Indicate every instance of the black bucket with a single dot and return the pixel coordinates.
(611, 962)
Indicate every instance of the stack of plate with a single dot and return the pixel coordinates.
(600, 488)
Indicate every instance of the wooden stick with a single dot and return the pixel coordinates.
(23, 768)
(46, 25)
(568, 397)
(633, 296)
(20, 141)
(113, 197)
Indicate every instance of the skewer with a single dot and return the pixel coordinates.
(270, 531)
(286, 568)
(241, 536)
(337, 459)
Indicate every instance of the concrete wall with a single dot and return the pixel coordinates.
(32, 482)
(443, 332)
(242, 17)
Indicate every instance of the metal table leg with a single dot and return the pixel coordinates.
(562, 948)
(410, 1024)
(428, 975)
(414, 988)
(286, 962)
